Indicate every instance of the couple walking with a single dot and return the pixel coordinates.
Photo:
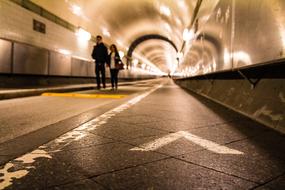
(113, 60)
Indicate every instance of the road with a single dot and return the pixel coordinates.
(158, 136)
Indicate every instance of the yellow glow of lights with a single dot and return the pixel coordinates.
(121, 53)
(188, 34)
(227, 56)
(76, 9)
(242, 57)
(83, 34)
(119, 42)
(179, 55)
(165, 10)
(167, 27)
(143, 66)
(106, 32)
(283, 38)
(135, 62)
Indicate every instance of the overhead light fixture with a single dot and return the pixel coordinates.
(188, 34)
(83, 34)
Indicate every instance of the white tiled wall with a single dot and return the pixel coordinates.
(16, 23)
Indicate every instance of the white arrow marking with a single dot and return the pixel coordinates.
(153, 145)
(209, 145)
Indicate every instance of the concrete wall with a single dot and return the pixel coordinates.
(28, 52)
(264, 102)
(16, 24)
(20, 58)
(240, 36)
(24, 59)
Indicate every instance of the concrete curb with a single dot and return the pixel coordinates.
(9, 94)
(18, 93)
(264, 103)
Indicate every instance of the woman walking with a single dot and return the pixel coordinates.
(114, 63)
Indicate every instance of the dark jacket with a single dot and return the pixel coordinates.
(100, 53)
(117, 59)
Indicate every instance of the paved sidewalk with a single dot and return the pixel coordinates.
(163, 139)
(8, 93)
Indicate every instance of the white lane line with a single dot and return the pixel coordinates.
(209, 145)
(21, 166)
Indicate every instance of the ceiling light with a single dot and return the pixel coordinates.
(76, 9)
(106, 32)
(188, 34)
(165, 10)
(83, 34)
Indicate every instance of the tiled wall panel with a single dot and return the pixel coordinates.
(79, 67)
(30, 60)
(91, 69)
(59, 64)
(16, 23)
(5, 56)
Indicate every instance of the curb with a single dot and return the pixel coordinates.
(34, 92)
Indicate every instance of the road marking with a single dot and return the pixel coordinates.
(21, 166)
(74, 95)
(209, 145)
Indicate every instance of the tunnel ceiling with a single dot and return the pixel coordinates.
(123, 21)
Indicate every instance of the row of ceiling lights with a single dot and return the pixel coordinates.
(85, 36)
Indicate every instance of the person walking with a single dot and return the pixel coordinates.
(100, 54)
(115, 64)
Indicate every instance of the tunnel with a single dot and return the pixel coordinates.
(142, 94)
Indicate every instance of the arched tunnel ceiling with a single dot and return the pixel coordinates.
(123, 21)
(159, 52)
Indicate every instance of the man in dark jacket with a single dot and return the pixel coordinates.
(100, 54)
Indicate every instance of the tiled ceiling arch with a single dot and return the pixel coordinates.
(123, 21)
